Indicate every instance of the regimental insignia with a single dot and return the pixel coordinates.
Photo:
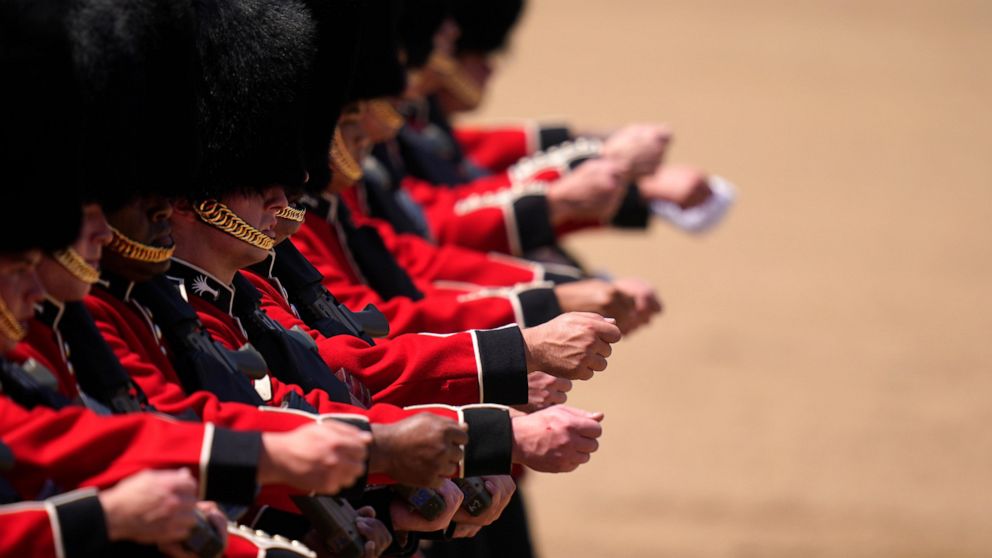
(200, 286)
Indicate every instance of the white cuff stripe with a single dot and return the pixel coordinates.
(478, 364)
(208, 443)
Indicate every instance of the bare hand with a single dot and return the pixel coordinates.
(151, 507)
(557, 439)
(501, 488)
(323, 457)
(376, 534)
(404, 519)
(573, 345)
(544, 390)
(646, 301)
(421, 450)
(596, 295)
(593, 191)
(638, 148)
(215, 517)
(683, 185)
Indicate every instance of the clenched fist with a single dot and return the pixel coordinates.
(593, 191)
(151, 507)
(501, 489)
(601, 297)
(574, 345)
(680, 184)
(323, 457)
(419, 451)
(638, 148)
(404, 519)
(557, 439)
(544, 390)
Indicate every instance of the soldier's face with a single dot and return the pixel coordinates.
(20, 288)
(258, 210)
(94, 235)
(145, 220)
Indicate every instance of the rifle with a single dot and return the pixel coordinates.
(477, 497)
(334, 520)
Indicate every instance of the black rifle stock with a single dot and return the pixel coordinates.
(335, 521)
(477, 497)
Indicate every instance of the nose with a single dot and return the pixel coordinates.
(103, 234)
(34, 291)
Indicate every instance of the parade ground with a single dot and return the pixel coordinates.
(820, 384)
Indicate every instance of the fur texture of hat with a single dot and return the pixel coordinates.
(254, 58)
(380, 72)
(39, 108)
(339, 28)
(485, 24)
(135, 66)
(419, 21)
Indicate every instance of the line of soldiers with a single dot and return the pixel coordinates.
(260, 297)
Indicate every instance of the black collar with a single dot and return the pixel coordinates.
(325, 207)
(49, 312)
(116, 285)
(196, 281)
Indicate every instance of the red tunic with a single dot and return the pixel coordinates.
(485, 366)
(445, 308)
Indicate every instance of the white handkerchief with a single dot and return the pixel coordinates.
(704, 216)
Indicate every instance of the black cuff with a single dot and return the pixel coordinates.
(503, 360)
(634, 212)
(490, 446)
(533, 219)
(552, 136)
(233, 467)
(356, 492)
(82, 524)
(562, 278)
(538, 305)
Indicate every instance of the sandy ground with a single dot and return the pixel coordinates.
(821, 383)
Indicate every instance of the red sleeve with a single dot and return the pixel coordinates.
(75, 447)
(141, 354)
(495, 148)
(427, 262)
(67, 525)
(440, 311)
(412, 369)
(29, 529)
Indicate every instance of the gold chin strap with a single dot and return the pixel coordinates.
(218, 215)
(9, 326)
(341, 160)
(77, 266)
(134, 250)
(383, 111)
(455, 81)
(292, 214)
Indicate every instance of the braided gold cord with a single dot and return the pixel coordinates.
(218, 215)
(134, 250)
(77, 266)
(455, 80)
(383, 111)
(9, 326)
(293, 214)
(341, 160)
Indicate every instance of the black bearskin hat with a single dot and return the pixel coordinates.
(485, 24)
(380, 72)
(134, 62)
(40, 107)
(254, 58)
(339, 27)
(419, 21)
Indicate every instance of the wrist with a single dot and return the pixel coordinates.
(378, 449)
(116, 529)
(530, 357)
(269, 468)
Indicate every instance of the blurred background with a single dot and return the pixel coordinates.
(820, 384)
